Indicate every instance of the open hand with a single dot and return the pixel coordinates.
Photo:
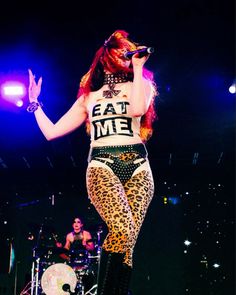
(34, 88)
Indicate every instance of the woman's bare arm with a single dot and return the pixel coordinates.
(70, 121)
(141, 91)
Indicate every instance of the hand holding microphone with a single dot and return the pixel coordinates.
(141, 52)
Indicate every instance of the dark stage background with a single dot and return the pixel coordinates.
(192, 151)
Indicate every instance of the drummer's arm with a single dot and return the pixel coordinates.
(67, 244)
(89, 242)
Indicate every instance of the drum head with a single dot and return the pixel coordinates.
(79, 259)
(55, 277)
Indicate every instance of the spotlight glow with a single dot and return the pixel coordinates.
(216, 265)
(187, 243)
(232, 88)
(13, 90)
(19, 103)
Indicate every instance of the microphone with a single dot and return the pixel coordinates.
(141, 52)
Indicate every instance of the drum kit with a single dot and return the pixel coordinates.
(58, 271)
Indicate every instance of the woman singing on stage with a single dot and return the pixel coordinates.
(116, 102)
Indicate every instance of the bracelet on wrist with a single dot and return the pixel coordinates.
(33, 106)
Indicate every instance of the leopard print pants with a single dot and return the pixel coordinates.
(122, 207)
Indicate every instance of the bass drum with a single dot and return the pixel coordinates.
(58, 279)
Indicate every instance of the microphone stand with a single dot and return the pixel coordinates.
(35, 266)
(99, 241)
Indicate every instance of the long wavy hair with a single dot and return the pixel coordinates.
(106, 58)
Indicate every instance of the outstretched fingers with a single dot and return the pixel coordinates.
(32, 81)
(34, 88)
(31, 78)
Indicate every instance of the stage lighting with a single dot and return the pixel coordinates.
(174, 200)
(19, 103)
(187, 243)
(171, 200)
(165, 200)
(13, 92)
(216, 265)
(232, 88)
(7, 255)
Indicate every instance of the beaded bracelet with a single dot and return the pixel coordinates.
(33, 106)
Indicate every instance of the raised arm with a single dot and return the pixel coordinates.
(70, 121)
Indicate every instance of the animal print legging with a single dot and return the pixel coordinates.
(122, 207)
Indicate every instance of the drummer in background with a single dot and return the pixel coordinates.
(78, 238)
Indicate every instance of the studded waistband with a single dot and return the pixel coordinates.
(117, 150)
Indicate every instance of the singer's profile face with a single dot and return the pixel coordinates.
(118, 54)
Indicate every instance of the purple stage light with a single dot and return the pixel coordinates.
(19, 103)
(13, 92)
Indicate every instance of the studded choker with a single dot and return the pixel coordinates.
(115, 78)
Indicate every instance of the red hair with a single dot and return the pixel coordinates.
(105, 58)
